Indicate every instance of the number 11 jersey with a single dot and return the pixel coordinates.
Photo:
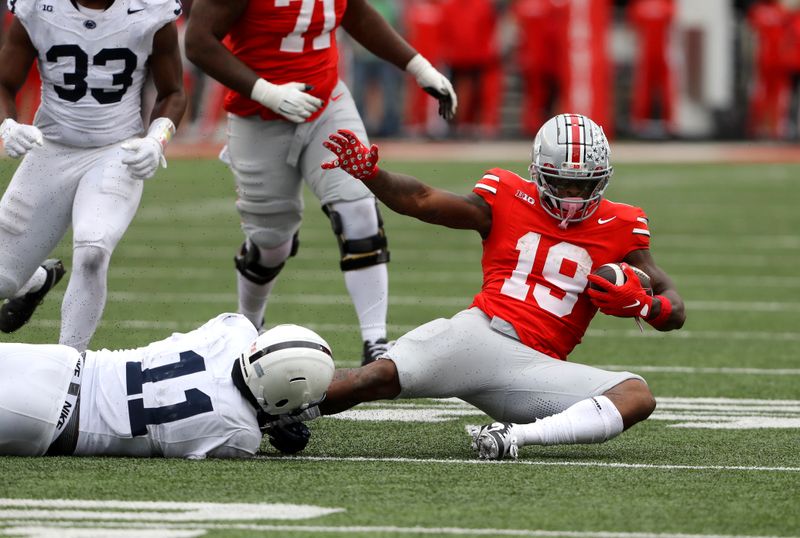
(173, 398)
(535, 273)
(93, 65)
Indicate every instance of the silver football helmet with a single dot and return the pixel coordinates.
(288, 368)
(570, 164)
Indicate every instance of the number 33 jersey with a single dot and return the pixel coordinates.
(535, 274)
(173, 398)
(93, 65)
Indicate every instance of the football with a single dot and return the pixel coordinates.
(614, 274)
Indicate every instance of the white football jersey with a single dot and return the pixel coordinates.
(173, 398)
(93, 65)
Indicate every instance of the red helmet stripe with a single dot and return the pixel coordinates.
(574, 142)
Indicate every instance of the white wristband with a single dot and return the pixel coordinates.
(417, 65)
(260, 90)
(162, 130)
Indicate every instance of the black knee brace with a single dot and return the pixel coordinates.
(247, 263)
(358, 253)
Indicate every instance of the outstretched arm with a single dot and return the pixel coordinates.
(406, 194)
(371, 30)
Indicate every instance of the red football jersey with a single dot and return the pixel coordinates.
(534, 273)
(287, 41)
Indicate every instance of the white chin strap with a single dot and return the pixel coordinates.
(571, 206)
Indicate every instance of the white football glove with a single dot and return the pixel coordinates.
(435, 83)
(19, 138)
(289, 100)
(147, 153)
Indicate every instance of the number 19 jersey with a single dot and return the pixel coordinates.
(173, 398)
(535, 273)
(93, 65)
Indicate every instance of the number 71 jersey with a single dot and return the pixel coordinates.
(535, 273)
(173, 398)
(93, 65)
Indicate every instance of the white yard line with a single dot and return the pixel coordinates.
(539, 463)
(30, 529)
(148, 325)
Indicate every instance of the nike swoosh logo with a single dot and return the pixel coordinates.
(634, 305)
(132, 11)
(337, 97)
(606, 221)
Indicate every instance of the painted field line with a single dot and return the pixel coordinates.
(698, 370)
(461, 275)
(149, 325)
(407, 300)
(540, 463)
(375, 529)
(453, 256)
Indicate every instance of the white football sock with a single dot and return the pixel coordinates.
(368, 289)
(34, 283)
(369, 286)
(593, 420)
(253, 297)
(85, 297)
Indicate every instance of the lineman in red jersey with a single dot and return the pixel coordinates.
(505, 354)
(279, 60)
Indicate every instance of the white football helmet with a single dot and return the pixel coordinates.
(288, 368)
(570, 163)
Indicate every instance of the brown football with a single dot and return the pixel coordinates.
(614, 274)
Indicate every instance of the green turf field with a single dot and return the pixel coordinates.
(718, 458)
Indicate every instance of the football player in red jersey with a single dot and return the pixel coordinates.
(279, 60)
(506, 354)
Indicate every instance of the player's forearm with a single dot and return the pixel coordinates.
(370, 29)
(401, 193)
(677, 311)
(217, 62)
(8, 107)
(170, 105)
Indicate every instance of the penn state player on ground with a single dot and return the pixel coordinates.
(506, 353)
(285, 97)
(207, 393)
(87, 154)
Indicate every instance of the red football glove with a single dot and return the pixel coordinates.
(627, 301)
(352, 155)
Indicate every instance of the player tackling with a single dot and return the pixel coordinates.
(212, 392)
(506, 353)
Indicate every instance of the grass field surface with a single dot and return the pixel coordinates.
(718, 458)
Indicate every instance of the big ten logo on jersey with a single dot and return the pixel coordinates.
(307, 13)
(47, 7)
(525, 196)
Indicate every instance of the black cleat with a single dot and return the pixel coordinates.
(374, 350)
(16, 312)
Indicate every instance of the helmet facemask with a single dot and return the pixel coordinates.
(570, 166)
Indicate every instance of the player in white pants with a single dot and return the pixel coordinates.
(88, 152)
(279, 61)
(206, 393)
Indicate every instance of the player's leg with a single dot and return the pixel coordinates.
(34, 215)
(550, 402)
(270, 205)
(105, 203)
(355, 222)
(440, 359)
(33, 396)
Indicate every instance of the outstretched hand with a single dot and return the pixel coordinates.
(629, 300)
(352, 155)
